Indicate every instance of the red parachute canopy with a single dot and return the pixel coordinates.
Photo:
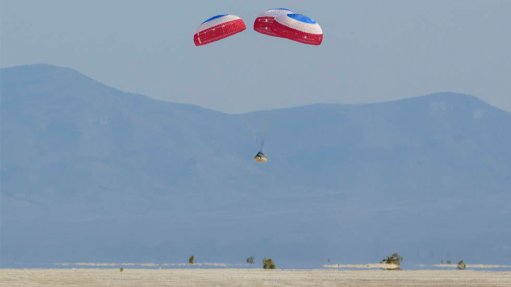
(264, 23)
(217, 28)
(284, 23)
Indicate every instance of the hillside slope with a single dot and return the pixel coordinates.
(91, 173)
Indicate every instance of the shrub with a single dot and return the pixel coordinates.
(393, 261)
(395, 258)
(268, 264)
(250, 260)
(461, 265)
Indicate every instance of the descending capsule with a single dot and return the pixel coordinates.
(265, 21)
(217, 28)
(260, 157)
(299, 28)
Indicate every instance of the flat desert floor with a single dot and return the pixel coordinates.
(248, 277)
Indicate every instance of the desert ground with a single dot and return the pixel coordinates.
(248, 277)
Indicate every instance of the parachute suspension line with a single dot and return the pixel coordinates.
(263, 124)
(260, 144)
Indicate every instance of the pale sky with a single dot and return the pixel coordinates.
(373, 51)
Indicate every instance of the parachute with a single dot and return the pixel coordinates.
(265, 21)
(299, 28)
(217, 28)
(284, 23)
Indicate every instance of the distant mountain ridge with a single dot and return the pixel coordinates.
(92, 173)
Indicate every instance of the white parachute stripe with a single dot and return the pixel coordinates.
(218, 21)
(298, 25)
(275, 13)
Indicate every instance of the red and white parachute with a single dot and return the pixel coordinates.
(264, 23)
(278, 22)
(217, 28)
(284, 23)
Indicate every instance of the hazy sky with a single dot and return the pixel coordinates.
(372, 50)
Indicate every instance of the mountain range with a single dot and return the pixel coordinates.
(90, 173)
